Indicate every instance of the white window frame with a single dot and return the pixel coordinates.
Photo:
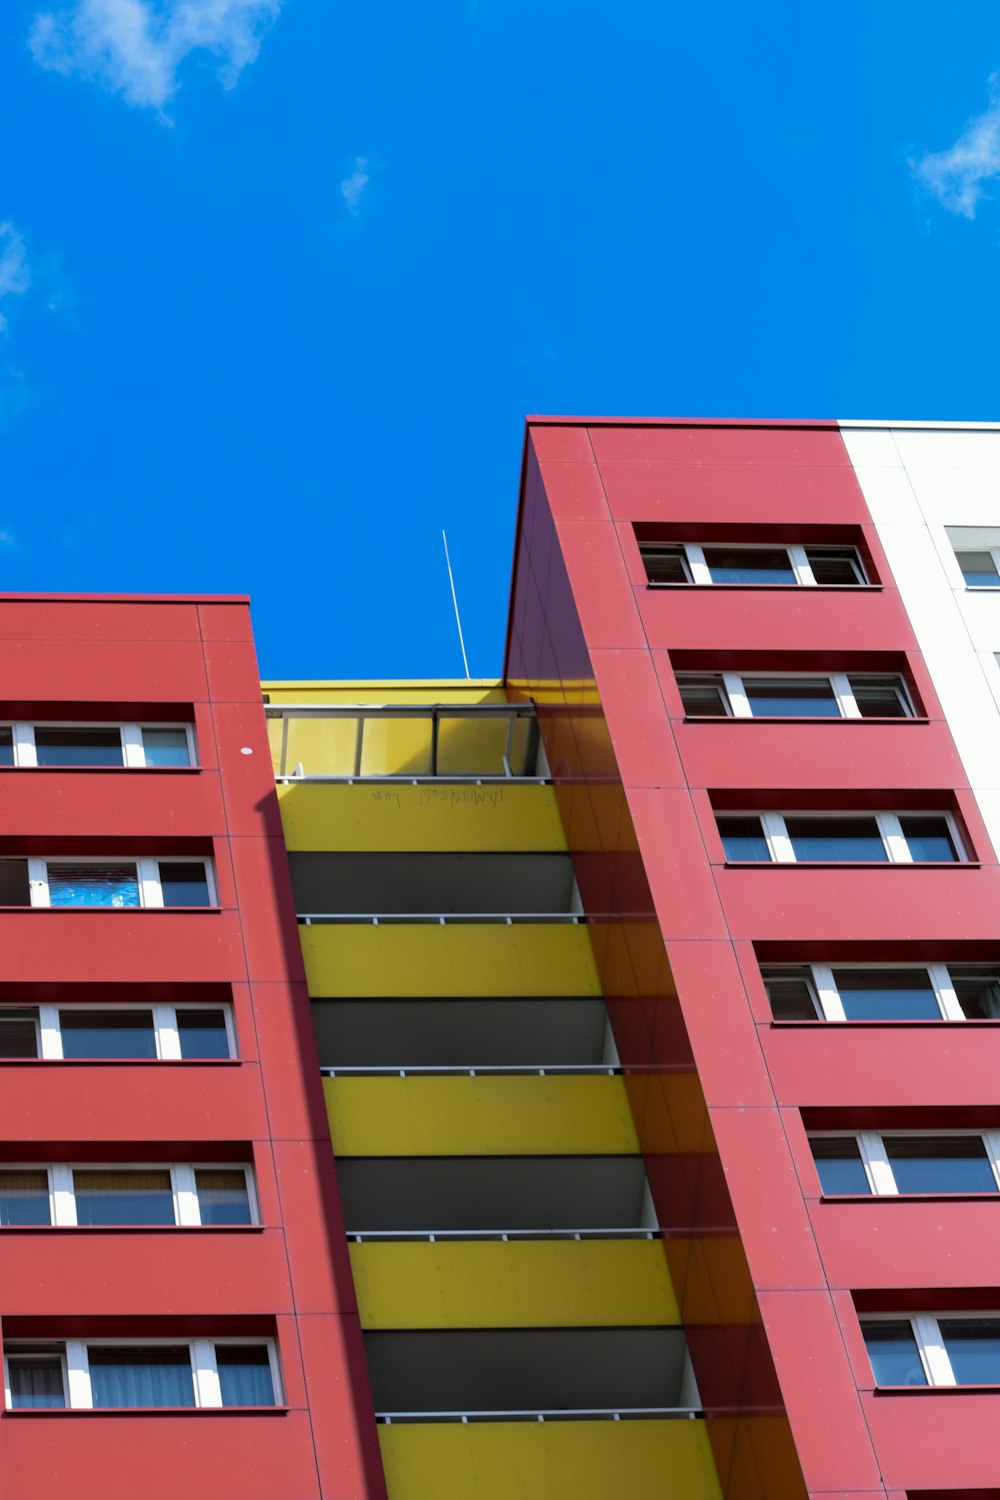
(930, 1340)
(878, 1166)
(165, 1028)
(979, 588)
(890, 831)
(133, 749)
(829, 1006)
(78, 1389)
(692, 556)
(183, 1189)
(146, 869)
(736, 701)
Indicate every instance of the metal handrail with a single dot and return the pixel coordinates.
(565, 1414)
(467, 1071)
(404, 778)
(431, 1236)
(440, 918)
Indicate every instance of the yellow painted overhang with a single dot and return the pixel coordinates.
(446, 817)
(454, 959)
(522, 1115)
(514, 1284)
(457, 691)
(574, 1460)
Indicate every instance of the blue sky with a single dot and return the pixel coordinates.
(279, 279)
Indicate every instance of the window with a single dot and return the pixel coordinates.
(178, 1195)
(883, 992)
(752, 564)
(118, 1033)
(839, 695)
(136, 1375)
(840, 838)
(979, 569)
(131, 745)
(890, 1165)
(936, 1351)
(118, 884)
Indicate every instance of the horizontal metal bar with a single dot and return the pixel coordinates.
(443, 780)
(441, 918)
(362, 1236)
(398, 711)
(470, 1071)
(569, 1414)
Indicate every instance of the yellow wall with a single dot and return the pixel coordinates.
(513, 1284)
(629, 1460)
(456, 959)
(481, 1116)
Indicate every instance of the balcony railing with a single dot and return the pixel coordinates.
(571, 1414)
(404, 742)
(442, 919)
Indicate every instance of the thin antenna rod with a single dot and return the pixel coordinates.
(454, 600)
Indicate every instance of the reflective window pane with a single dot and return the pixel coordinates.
(109, 1197)
(36, 1378)
(928, 839)
(222, 1197)
(244, 1374)
(973, 1346)
(166, 747)
(842, 840)
(18, 1033)
(977, 991)
(880, 697)
(704, 696)
(93, 885)
(839, 1164)
(835, 566)
(790, 992)
(78, 747)
(940, 1164)
(665, 564)
(107, 1033)
(887, 995)
(979, 570)
(743, 839)
(202, 1033)
(184, 884)
(6, 745)
(24, 1198)
(806, 698)
(892, 1350)
(749, 565)
(14, 888)
(131, 1377)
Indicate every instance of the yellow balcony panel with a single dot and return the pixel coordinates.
(427, 959)
(449, 817)
(573, 1460)
(520, 1115)
(513, 1284)
(458, 691)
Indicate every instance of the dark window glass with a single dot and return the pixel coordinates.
(202, 1033)
(977, 992)
(880, 697)
(790, 992)
(839, 1164)
(749, 565)
(940, 1164)
(892, 1350)
(107, 1033)
(222, 1197)
(165, 747)
(973, 1346)
(78, 747)
(839, 566)
(129, 1377)
(184, 884)
(18, 1035)
(244, 1374)
(979, 570)
(24, 1198)
(887, 995)
(6, 746)
(666, 564)
(703, 695)
(93, 885)
(743, 838)
(928, 839)
(807, 698)
(14, 888)
(109, 1197)
(837, 839)
(36, 1378)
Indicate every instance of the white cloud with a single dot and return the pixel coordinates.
(135, 47)
(352, 187)
(15, 272)
(956, 176)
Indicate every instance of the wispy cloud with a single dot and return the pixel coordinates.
(352, 188)
(956, 176)
(15, 271)
(135, 47)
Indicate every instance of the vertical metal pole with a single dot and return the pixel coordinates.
(284, 743)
